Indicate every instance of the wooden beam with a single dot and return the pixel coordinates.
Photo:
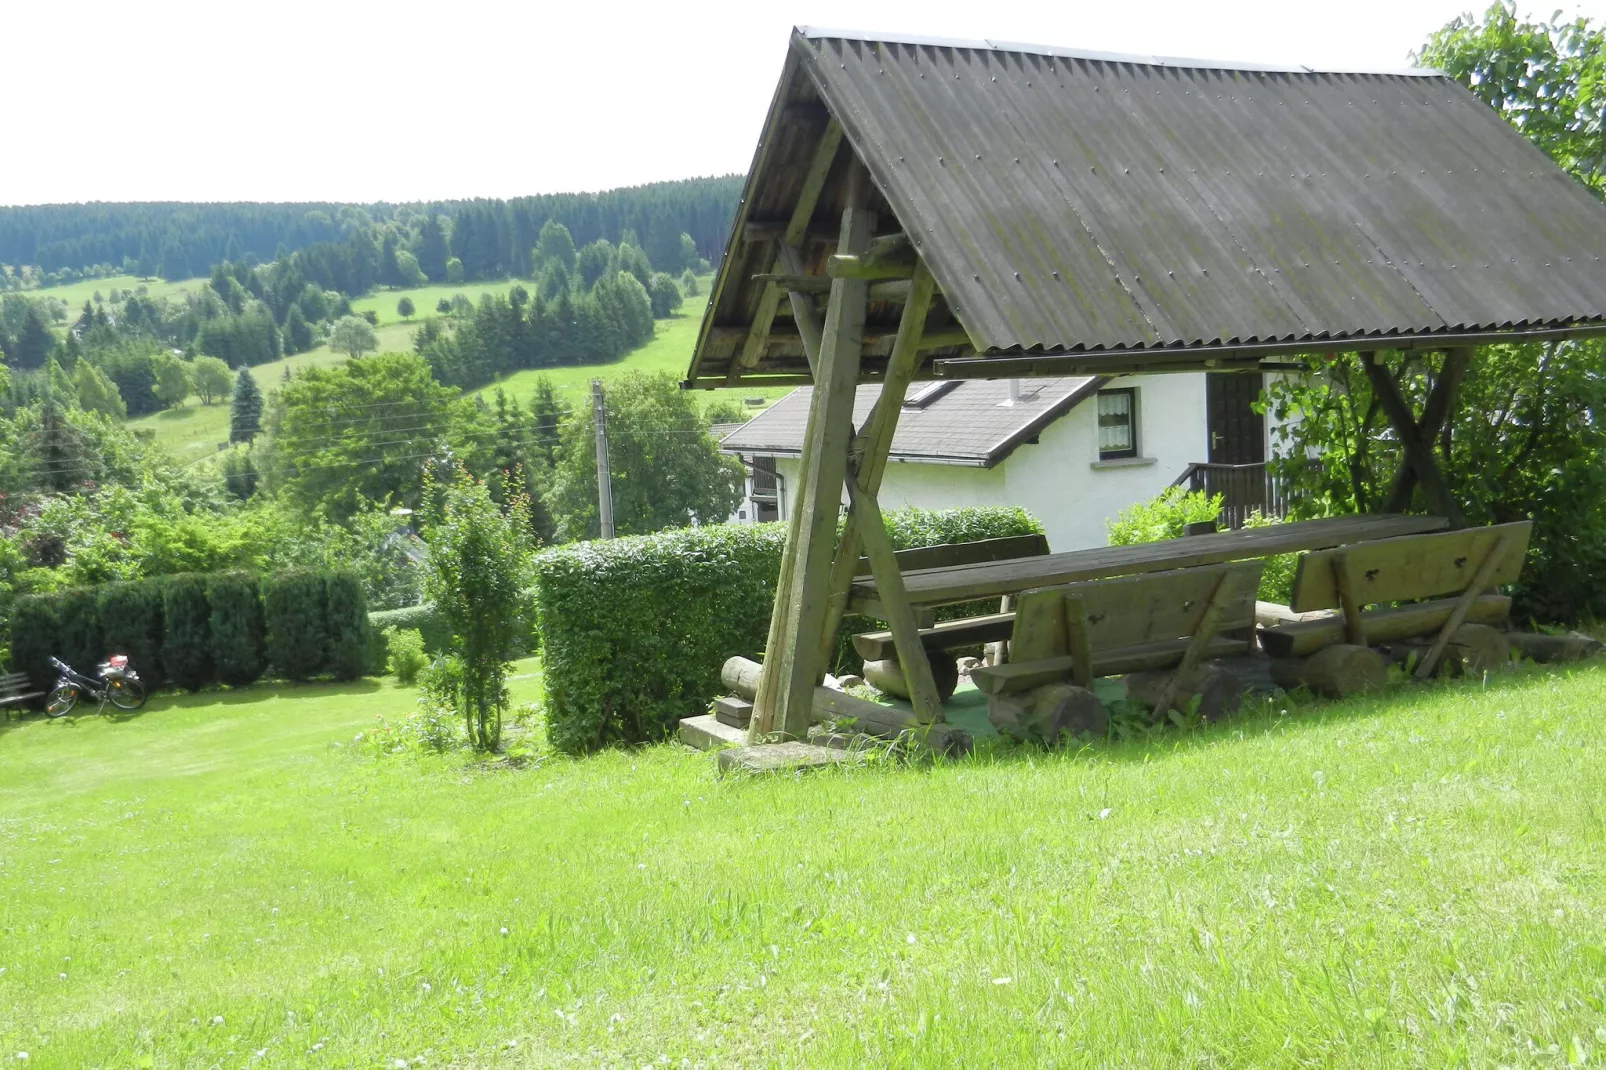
(810, 285)
(813, 183)
(1200, 641)
(891, 257)
(804, 314)
(1417, 453)
(760, 230)
(825, 152)
(874, 443)
(1439, 407)
(818, 494)
(874, 337)
(923, 694)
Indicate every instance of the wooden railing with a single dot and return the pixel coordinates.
(1244, 488)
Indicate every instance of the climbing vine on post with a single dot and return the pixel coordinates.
(479, 563)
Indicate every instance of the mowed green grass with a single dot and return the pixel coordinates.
(1416, 879)
(192, 430)
(76, 293)
(383, 302)
(669, 351)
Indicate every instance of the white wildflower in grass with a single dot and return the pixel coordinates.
(1003, 980)
(504, 930)
(217, 1019)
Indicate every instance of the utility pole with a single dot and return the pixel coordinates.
(604, 483)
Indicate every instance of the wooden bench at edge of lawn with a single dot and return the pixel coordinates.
(947, 635)
(15, 689)
(1465, 565)
(1156, 620)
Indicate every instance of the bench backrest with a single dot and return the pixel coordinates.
(1131, 611)
(950, 554)
(12, 682)
(1408, 567)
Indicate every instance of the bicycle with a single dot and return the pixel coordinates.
(116, 683)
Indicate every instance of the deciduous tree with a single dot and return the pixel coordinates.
(353, 336)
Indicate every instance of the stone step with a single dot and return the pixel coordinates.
(780, 757)
(708, 733)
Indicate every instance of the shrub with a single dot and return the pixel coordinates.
(346, 616)
(405, 655)
(236, 627)
(633, 631)
(1165, 517)
(296, 623)
(187, 632)
(131, 623)
(79, 639)
(33, 638)
(420, 618)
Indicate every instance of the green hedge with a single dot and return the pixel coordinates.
(194, 630)
(423, 619)
(633, 631)
(237, 632)
(187, 632)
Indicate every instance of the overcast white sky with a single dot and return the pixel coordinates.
(355, 100)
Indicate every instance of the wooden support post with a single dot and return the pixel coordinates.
(790, 259)
(1440, 406)
(1200, 642)
(874, 442)
(1418, 454)
(1354, 627)
(825, 152)
(923, 694)
(1080, 640)
(819, 494)
(1458, 614)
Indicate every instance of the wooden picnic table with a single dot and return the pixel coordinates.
(931, 587)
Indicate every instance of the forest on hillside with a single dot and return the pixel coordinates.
(44, 244)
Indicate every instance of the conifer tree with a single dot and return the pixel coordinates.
(245, 410)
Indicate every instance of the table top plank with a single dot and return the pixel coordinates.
(961, 583)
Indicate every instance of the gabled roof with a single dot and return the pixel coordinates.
(974, 423)
(1073, 202)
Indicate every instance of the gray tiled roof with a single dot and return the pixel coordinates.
(970, 424)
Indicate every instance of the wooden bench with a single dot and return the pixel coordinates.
(1332, 588)
(1158, 620)
(15, 689)
(950, 635)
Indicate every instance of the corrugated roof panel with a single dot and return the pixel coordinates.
(1065, 202)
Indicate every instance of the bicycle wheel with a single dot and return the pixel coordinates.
(63, 697)
(125, 694)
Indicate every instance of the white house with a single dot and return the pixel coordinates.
(1073, 451)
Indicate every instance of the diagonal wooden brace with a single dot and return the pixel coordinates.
(1458, 614)
(1226, 588)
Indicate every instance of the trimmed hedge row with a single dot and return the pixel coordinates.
(633, 631)
(422, 618)
(193, 630)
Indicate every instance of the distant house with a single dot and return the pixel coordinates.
(1072, 451)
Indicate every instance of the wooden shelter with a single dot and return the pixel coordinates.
(924, 209)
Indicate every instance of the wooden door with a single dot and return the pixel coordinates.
(1237, 431)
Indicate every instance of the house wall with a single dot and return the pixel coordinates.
(1059, 479)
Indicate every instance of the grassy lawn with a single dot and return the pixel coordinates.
(76, 293)
(192, 430)
(1417, 879)
(669, 351)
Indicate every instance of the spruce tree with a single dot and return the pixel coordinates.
(245, 410)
